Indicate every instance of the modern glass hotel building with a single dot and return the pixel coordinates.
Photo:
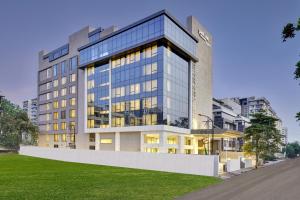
(139, 88)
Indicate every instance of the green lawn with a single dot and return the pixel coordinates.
(23, 177)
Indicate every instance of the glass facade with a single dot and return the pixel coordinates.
(98, 96)
(137, 88)
(148, 87)
(158, 26)
(176, 89)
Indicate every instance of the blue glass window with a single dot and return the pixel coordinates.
(55, 70)
(159, 26)
(73, 63)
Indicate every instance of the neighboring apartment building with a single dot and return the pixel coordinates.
(251, 105)
(140, 88)
(227, 115)
(30, 107)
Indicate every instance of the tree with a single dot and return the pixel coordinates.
(289, 31)
(13, 122)
(262, 138)
(292, 150)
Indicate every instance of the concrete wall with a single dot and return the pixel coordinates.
(201, 74)
(130, 141)
(233, 165)
(179, 163)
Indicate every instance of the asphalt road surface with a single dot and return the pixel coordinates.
(276, 182)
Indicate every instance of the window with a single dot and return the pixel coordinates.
(172, 140)
(63, 67)
(63, 103)
(48, 73)
(55, 83)
(91, 110)
(91, 98)
(188, 151)
(90, 84)
(73, 89)
(63, 126)
(45, 86)
(149, 86)
(172, 150)
(55, 137)
(92, 147)
(150, 51)
(150, 102)
(106, 141)
(90, 71)
(118, 121)
(55, 94)
(73, 63)
(45, 107)
(47, 127)
(55, 115)
(134, 89)
(72, 125)
(152, 139)
(188, 141)
(90, 123)
(55, 126)
(45, 117)
(72, 113)
(63, 80)
(63, 92)
(135, 104)
(54, 70)
(64, 137)
(118, 92)
(55, 104)
(151, 150)
(150, 119)
(72, 77)
(63, 114)
(150, 69)
(92, 137)
(73, 101)
(72, 137)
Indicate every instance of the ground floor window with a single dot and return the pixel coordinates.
(188, 151)
(92, 137)
(92, 147)
(172, 150)
(151, 150)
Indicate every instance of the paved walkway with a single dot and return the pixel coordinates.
(275, 182)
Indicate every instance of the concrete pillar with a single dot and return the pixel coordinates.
(117, 141)
(142, 136)
(97, 141)
(181, 144)
(195, 146)
(163, 142)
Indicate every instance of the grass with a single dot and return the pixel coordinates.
(24, 177)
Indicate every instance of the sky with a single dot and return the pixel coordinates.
(249, 57)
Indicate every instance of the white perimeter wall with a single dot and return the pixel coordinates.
(179, 163)
(233, 165)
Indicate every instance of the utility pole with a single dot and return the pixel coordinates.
(212, 132)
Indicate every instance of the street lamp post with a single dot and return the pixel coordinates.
(212, 132)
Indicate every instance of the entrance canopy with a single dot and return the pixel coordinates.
(218, 133)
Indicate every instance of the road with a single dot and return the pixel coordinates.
(276, 182)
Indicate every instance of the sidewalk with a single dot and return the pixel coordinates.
(228, 175)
